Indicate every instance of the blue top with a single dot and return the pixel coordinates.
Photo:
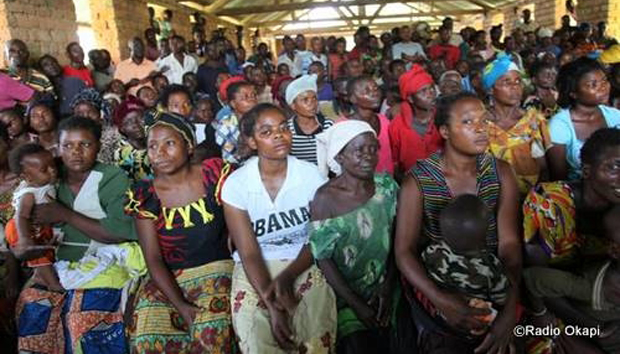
(326, 93)
(563, 132)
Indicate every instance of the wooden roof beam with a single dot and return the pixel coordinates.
(249, 10)
(360, 18)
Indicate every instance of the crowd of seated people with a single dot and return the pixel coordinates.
(426, 191)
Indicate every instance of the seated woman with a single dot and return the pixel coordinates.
(131, 155)
(307, 122)
(462, 168)
(564, 221)
(89, 206)
(516, 136)
(412, 133)
(587, 298)
(365, 98)
(584, 92)
(544, 98)
(89, 104)
(184, 304)
(351, 236)
(280, 301)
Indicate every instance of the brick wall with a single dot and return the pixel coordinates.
(594, 11)
(47, 26)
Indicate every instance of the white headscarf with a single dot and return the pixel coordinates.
(333, 140)
(299, 86)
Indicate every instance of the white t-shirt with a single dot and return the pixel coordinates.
(175, 70)
(279, 225)
(409, 48)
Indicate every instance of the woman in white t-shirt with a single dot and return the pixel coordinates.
(280, 300)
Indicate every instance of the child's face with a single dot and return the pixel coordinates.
(39, 169)
(14, 124)
(117, 87)
(283, 70)
(160, 83)
(179, 103)
(203, 112)
(148, 97)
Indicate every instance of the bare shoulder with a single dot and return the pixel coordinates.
(320, 207)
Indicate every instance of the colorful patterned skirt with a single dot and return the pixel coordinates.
(74, 322)
(313, 323)
(156, 324)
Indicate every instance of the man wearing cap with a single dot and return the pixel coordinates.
(301, 96)
(413, 134)
(545, 36)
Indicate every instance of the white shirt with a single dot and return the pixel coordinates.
(409, 48)
(294, 66)
(175, 70)
(279, 225)
(311, 58)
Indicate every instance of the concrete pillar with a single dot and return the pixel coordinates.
(47, 26)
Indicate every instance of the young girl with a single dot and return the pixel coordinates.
(351, 235)
(280, 301)
(36, 167)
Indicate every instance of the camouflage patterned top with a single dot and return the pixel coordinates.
(480, 277)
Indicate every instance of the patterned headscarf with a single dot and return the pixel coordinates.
(174, 121)
(92, 96)
(496, 69)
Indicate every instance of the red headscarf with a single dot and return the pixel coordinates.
(275, 87)
(228, 82)
(130, 104)
(413, 80)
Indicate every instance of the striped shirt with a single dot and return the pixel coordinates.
(34, 79)
(304, 145)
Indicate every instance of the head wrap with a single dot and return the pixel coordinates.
(92, 96)
(131, 104)
(247, 64)
(174, 121)
(413, 80)
(299, 86)
(496, 69)
(611, 55)
(224, 86)
(450, 72)
(333, 140)
(113, 96)
(275, 87)
(545, 32)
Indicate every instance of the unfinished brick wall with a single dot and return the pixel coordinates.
(47, 26)
(594, 11)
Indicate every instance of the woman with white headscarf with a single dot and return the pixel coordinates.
(350, 235)
(307, 122)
